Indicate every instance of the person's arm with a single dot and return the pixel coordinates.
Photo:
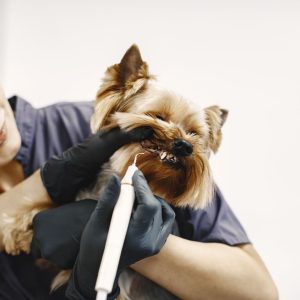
(190, 270)
(194, 270)
(30, 191)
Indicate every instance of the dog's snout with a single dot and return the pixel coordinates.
(182, 148)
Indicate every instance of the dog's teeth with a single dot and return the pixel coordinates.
(170, 156)
(174, 159)
(163, 155)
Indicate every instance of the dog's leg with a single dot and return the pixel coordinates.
(17, 230)
(60, 279)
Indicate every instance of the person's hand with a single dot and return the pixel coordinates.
(57, 232)
(150, 224)
(63, 176)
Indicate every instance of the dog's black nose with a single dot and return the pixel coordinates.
(182, 148)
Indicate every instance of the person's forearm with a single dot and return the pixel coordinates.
(27, 194)
(193, 270)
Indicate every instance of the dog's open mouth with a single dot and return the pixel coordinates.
(164, 155)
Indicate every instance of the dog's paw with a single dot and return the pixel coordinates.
(16, 232)
(17, 242)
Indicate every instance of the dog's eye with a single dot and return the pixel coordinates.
(160, 117)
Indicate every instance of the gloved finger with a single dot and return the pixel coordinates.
(168, 214)
(35, 249)
(148, 207)
(168, 218)
(163, 221)
(55, 218)
(108, 199)
(140, 133)
(120, 137)
(59, 229)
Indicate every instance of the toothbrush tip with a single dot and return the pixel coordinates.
(136, 156)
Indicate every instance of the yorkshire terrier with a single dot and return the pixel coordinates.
(175, 160)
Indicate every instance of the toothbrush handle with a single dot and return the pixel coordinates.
(115, 239)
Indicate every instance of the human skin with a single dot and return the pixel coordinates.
(11, 171)
(11, 142)
(189, 270)
(201, 271)
(15, 192)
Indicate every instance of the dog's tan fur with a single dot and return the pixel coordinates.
(129, 97)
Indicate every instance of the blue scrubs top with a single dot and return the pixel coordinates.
(49, 131)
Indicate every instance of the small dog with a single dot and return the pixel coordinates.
(175, 161)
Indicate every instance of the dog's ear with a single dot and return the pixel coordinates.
(215, 119)
(130, 65)
(132, 72)
(120, 83)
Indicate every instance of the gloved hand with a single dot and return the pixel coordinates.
(150, 224)
(57, 232)
(63, 176)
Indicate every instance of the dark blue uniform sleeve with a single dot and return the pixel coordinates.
(216, 223)
(50, 130)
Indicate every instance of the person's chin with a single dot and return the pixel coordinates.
(9, 148)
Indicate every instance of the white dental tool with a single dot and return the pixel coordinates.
(116, 235)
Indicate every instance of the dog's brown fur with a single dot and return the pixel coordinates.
(129, 97)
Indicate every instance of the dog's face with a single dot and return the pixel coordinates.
(175, 160)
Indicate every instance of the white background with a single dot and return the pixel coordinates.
(242, 55)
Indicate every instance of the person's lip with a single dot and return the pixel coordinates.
(2, 117)
(2, 126)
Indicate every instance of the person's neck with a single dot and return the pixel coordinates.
(10, 175)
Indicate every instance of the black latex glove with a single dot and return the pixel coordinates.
(63, 176)
(150, 224)
(57, 232)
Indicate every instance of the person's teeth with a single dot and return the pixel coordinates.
(163, 155)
